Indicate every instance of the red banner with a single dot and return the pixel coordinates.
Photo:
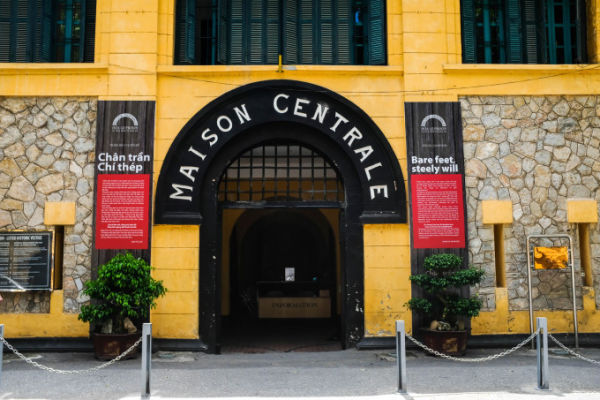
(437, 211)
(122, 216)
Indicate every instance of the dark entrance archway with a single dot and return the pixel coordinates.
(280, 290)
(292, 112)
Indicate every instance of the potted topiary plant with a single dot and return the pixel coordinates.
(443, 306)
(123, 292)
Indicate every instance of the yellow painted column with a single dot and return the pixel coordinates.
(583, 212)
(175, 257)
(387, 287)
(584, 254)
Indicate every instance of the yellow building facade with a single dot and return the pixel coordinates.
(134, 61)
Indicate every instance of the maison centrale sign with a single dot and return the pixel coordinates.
(349, 129)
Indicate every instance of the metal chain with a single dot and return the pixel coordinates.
(572, 352)
(73, 371)
(473, 360)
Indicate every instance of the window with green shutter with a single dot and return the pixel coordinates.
(47, 30)
(333, 32)
(523, 31)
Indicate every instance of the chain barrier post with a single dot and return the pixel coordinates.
(146, 359)
(542, 353)
(1, 349)
(401, 355)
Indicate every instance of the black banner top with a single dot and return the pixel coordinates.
(182, 175)
(125, 137)
(433, 130)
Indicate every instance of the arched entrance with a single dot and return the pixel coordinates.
(280, 204)
(289, 113)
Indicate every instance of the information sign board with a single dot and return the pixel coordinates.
(122, 216)
(25, 260)
(437, 209)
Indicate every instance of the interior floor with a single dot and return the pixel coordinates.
(252, 335)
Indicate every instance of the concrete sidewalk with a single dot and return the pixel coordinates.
(368, 375)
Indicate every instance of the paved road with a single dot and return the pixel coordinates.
(369, 375)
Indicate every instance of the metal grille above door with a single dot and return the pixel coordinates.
(278, 172)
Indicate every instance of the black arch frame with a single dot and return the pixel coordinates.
(258, 98)
(354, 212)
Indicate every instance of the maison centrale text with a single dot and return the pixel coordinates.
(296, 107)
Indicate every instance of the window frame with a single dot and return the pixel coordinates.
(187, 50)
(529, 29)
(40, 40)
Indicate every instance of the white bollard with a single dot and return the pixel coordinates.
(542, 353)
(146, 359)
(401, 355)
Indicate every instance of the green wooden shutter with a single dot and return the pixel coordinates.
(290, 32)
(46, 32)
(5, 30)
(333, 32)
(236, 32)
(325, 32)
(36, 21)
(223, 26)
(343, 45)
(376, 33)
(262, 32)
(306, 18)
(185, 32)
(24, 30)
(514, 51)
(89, 31)
(255, 32)
(533, 31)
(273, 32)
(469, 41)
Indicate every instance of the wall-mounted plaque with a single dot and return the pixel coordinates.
(25, 260)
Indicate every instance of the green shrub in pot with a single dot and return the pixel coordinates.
(124, 290)
(442, 304)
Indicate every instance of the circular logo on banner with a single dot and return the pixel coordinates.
(433, 129)
(125, 128)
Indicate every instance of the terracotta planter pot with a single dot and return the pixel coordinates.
(110, 345)
(453, 343)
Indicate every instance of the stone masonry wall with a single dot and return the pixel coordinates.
(536, 152)
(47, 154)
